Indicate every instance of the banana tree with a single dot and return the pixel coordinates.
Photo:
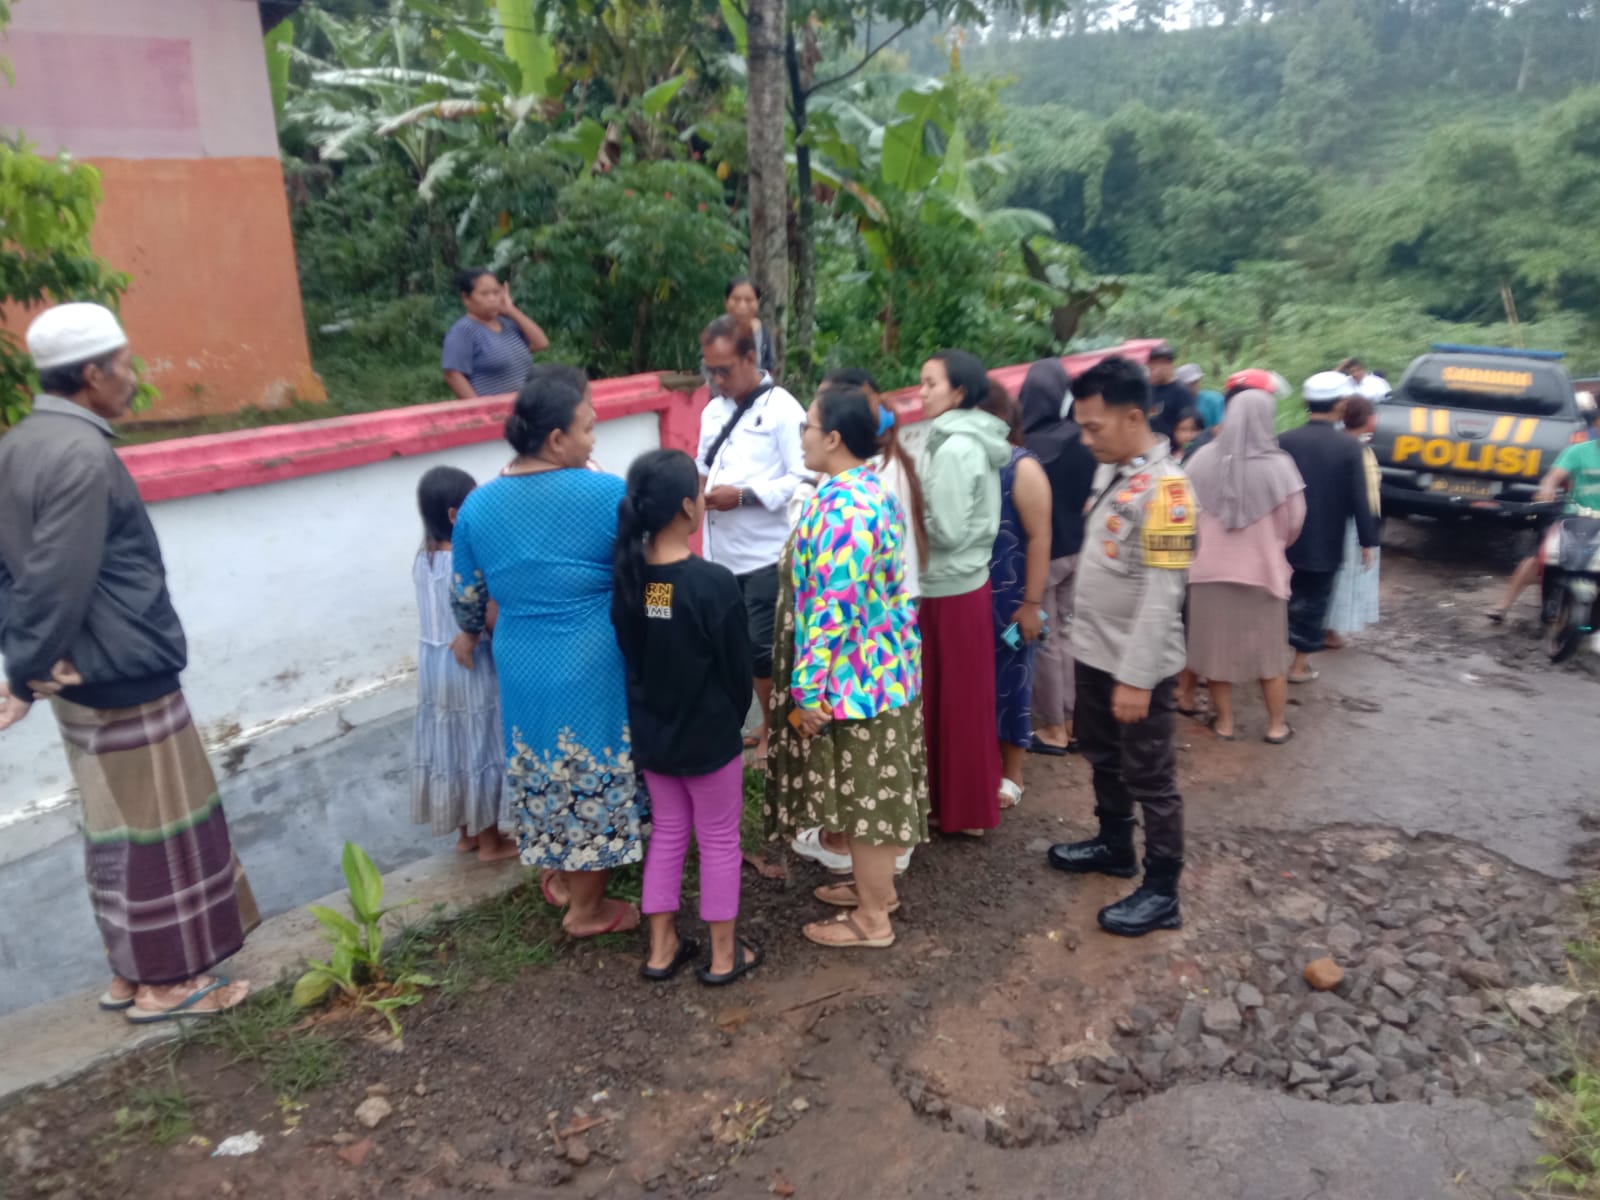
(897, 179)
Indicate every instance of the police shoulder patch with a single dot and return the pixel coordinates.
(1169, 525)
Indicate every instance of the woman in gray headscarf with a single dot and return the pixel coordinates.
(1252, 504)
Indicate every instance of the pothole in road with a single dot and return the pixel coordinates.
(1454, 983)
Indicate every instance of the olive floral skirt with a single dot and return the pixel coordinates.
(867, 779)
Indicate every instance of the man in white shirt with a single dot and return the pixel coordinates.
(751, 462)
(1373, 387)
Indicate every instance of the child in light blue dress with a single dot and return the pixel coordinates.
(458, 762)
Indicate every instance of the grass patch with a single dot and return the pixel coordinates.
(495, 941)
(158, 1115)
(753, 822)
(1571, 1119)
(268, 1031)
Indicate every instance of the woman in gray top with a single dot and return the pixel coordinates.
(488, 352)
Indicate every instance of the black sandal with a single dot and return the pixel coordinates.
(688, 948)
(742, 962)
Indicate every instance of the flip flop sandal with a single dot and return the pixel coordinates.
(1311, 678)
(109, 1003)
(1211, 723)
(544, 889)
(623, 910)
(1039, 746)
(1496, 616)
(688, 948)
(860, 942)
(1280, 741)
(184, 1007)
(747, 956)
(846, 883)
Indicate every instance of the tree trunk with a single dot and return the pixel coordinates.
(765, 119)
(805, 284)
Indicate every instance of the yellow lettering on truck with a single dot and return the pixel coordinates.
(1462, 456)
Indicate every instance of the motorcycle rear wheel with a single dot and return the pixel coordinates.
(1565, 634)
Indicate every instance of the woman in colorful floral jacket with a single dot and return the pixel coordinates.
(846, 721)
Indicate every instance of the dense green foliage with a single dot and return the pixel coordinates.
(1283, 183)
(1297, 181)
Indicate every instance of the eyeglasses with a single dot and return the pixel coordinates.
(720, 372)
(807, 426)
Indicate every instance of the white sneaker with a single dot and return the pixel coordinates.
(808, 844)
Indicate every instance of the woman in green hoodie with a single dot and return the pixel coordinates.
(960, 472)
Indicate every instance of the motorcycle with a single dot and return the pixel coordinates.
(1570, 560)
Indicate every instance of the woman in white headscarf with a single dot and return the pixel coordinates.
(1252, 504)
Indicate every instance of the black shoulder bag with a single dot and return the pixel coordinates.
(739, 411)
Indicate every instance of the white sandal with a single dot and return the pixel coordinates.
(1010, 794)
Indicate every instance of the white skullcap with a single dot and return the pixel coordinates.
(1328, 387)
(73, 333)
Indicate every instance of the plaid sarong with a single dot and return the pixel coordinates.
(168, 892)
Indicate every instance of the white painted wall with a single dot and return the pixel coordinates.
(297, 601)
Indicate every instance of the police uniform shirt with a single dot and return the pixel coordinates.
(1138, 543)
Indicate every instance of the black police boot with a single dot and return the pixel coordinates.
(1154, 906)
(1109, 852)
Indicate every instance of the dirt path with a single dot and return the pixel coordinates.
(1419, 830)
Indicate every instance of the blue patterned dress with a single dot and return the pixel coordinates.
(540, 545)
(1008, 579)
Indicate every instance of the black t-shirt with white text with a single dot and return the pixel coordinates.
(689, 685)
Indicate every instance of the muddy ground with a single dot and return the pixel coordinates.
(1425, 830)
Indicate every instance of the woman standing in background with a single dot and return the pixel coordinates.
(1354, 603)
(1053, 438)
(1018, 569)
(489, 351)
(960, 472)
(1252, 505)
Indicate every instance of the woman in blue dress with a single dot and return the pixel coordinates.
(1019, 568)
(539, 540)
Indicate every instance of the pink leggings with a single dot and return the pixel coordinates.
(712, 805)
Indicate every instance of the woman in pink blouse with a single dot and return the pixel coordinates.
(846, 718)
(1252, 504)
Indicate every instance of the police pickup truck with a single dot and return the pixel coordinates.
(1472, 429)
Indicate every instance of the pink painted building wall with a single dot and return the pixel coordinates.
(169, 99)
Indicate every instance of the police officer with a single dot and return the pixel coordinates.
(1138, 542)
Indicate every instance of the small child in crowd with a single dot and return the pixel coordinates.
(1185, 431)
(458, 761)
(681, 624)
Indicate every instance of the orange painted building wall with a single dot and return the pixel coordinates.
(169, 100)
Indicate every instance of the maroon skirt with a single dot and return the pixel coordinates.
(958, 708)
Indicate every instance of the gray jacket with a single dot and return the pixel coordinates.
(81, 576)
(1133, 570)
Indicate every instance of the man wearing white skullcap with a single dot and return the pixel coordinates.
(86, 622)
(1336, 492)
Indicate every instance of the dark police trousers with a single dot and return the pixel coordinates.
(1132, 762)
